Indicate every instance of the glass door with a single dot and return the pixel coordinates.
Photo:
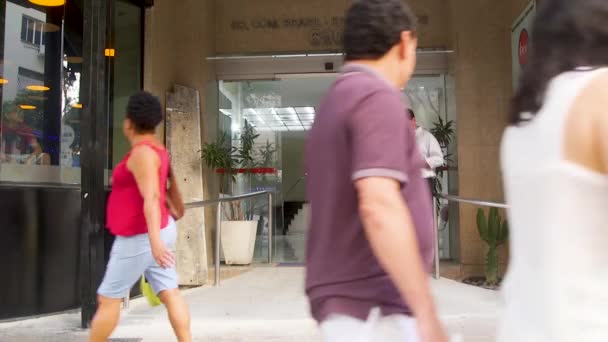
(428, 96)
(277, 115)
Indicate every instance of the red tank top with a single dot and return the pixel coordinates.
(125, 211)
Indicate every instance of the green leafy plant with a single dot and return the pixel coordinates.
(266, 154)
(266, 159)
(228, 161)
(245, 151)
(220, 156)
(443, 130)
(495, 232)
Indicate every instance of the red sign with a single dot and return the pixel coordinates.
(255, 170)
(523, 47)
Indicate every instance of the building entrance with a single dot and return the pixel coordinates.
(280, 109)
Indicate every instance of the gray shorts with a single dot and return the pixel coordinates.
(130, 258)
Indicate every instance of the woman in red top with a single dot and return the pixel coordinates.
(141, 211)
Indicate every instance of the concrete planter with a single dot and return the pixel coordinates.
(238, 241)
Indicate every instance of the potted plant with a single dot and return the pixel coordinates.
(239, 229)
(443, 131)
(266, 160)
(495, 232)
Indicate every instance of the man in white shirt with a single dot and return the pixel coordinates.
(429, 149)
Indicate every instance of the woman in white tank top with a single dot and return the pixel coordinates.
(555, 168)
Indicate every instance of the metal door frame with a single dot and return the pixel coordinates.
(252, 67)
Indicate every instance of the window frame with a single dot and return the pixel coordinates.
(34, 26)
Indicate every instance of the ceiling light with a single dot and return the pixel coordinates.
(287, 110)
(305, 110)
(38, 88)
(77, 105)
(3, 81)
(265, 111)
(48, 3)
(27, 107)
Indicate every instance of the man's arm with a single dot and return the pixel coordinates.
(435, 154)
(174, 197)
(380, 141)
(390, 231)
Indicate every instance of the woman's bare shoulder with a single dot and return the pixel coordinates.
(593, 98)
(587, 125)
(142, 156)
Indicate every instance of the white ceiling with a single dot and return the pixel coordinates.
(291, 102)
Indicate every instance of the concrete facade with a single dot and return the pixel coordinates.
(183, 124)
(180, 34)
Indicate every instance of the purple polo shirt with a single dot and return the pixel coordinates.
(361, 130)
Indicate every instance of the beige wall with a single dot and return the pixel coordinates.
(179, 37)
(262, 26)
(481, 66)
(159, 48)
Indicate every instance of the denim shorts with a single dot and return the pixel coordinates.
(131, 257)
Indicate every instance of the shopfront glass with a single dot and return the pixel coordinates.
(126, 71)
(281, 112)
(40, 92)
(40, 88)
(429, 97)
(43, 76)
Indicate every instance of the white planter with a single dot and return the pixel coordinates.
(238, 241)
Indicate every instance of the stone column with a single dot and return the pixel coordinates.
(183, 139)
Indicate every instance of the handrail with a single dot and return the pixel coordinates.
(218, 230)
(471, 201)
(294, 185)
(457, 199)
(207, 203)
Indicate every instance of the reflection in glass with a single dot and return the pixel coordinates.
(281, 113)
(40, 78)
(428, 96)
(41, 68)
(126, 66)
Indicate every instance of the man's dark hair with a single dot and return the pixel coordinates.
(145, 111)
(373, 27)
(412, 114)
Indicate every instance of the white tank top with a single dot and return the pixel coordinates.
(556, 287)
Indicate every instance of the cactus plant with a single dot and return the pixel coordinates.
(495, 232)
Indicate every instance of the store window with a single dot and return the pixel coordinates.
(40, 74)
(32, 31)
(126, 66)
(40, 92)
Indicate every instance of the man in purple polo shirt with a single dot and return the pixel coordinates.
(370, 244)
